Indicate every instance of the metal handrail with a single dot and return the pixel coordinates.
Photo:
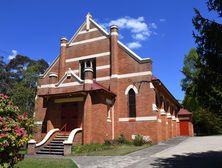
(63, 127)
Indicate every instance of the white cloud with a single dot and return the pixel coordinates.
(139, 29)
(14, 53)
(162, 20)
(134, 45)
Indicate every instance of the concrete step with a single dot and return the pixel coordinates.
(49, 153)
(62, 136)
(51, 150)
(54, 147)
(56, 141)
(55, 144)
(60, 139)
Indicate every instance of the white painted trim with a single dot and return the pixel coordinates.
(68, 73)
(177, 119)
(38, 122)
(63, 45)
(90, 30)
(131, 74)
(32, 141)
(154, 107)
(76, 33)
(97, 79)
(46, 138)
(169, 115)
(133, 54)
(121, 44)
(88, 41)
(72, 136)
(103, 67)
(87, 21)
(103, 78)
(47, 86)
(131, 87)
(88, 69)
(88, 56)
(114, 34)
(113, 27)
(76, 71)
(173, 118)
(100, 27)
(89, 81)
(149, 118)
(69, 84)
(162, 112)
(50, 67)
(53, 75)
(151, 86)
(114, 76)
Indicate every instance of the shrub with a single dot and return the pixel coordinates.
(90, 148)
(14, 130)
(138, 141)
(111, 142)
(122, 140)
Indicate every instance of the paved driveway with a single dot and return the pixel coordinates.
(178, 152)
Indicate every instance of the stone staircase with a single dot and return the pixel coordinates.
(55, 147)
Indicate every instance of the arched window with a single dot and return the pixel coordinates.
(132, 103)
(158, 100)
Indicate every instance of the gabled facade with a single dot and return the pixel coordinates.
(99, 85)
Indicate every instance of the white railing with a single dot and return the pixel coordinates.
(72, 136)
(46, 138)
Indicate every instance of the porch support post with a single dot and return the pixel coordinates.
(87, 120)
(67, 149)
(31, 147)
(39, 115)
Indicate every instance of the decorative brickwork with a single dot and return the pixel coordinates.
(94, 71)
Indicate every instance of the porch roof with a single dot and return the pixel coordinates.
(80, 90)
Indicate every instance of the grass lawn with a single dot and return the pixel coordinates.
(46, 163)
(105, 150)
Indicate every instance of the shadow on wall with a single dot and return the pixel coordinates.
(205, 159)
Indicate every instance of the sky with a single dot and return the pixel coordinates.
(157, 29)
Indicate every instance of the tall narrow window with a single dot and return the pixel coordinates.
(132, 103)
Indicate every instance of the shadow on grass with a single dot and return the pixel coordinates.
(204, 159)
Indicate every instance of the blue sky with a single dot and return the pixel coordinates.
(34, 28)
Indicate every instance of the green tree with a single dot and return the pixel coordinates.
(208, 37)
(14, 131)
(3, 76)
(22, 75)
(205, 122)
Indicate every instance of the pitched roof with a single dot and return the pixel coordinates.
(157, 83)
(97, 86)
(184, 112)
(129, 51)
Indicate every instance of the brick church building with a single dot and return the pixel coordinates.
(100, 86)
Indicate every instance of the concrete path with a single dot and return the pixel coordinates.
(179, 152)
(175, 153)
(132, 160)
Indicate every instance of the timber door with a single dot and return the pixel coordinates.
(69, 116)
(184, 128)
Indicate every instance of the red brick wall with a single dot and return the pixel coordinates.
(94, 119)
